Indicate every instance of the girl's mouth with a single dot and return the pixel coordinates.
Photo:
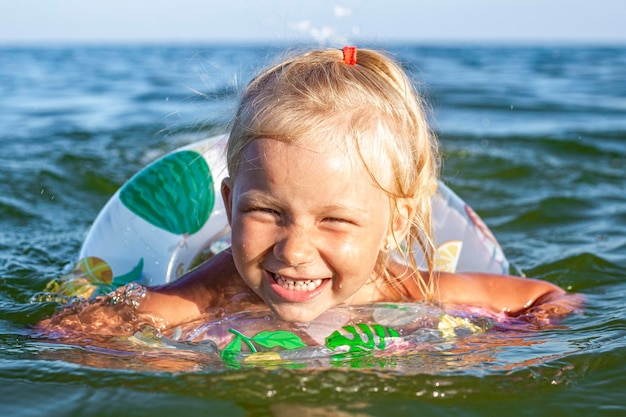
(296, 290)
(307, 285)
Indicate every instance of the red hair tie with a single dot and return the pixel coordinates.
(349, 55)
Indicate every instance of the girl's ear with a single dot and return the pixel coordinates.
(227, 196)
(401, 222)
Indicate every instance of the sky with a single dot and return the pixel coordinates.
(318, 21)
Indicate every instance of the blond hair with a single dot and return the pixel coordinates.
(370, 111)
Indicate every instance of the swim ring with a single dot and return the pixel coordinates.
(170, 216)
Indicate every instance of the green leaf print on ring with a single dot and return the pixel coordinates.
(175, 193)
(371, 334)
(359, 338)
(266, 339)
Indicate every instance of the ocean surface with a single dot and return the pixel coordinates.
(534, 139)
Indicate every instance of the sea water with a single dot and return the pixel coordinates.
(534, 139)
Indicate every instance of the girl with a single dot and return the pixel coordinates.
(331, 167)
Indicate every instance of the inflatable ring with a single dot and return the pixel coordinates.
(170, 216)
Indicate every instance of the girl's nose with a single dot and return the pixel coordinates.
(294, 248)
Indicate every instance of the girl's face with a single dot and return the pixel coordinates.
(307, 227)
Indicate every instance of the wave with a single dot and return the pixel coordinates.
(586, 270)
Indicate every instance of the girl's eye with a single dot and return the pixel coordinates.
(264, 210)
(338, 220)
(244, 208)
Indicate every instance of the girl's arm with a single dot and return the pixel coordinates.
(514, 296)
(129, 308)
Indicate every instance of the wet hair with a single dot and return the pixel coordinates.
(369, 111)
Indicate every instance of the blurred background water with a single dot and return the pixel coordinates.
(534, 138)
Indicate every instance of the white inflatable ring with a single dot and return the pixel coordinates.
(170, 215)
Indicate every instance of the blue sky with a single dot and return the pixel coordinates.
(322, 21)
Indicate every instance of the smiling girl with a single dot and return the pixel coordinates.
(332, 167)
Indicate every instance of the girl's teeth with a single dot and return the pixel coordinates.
(298, 285)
